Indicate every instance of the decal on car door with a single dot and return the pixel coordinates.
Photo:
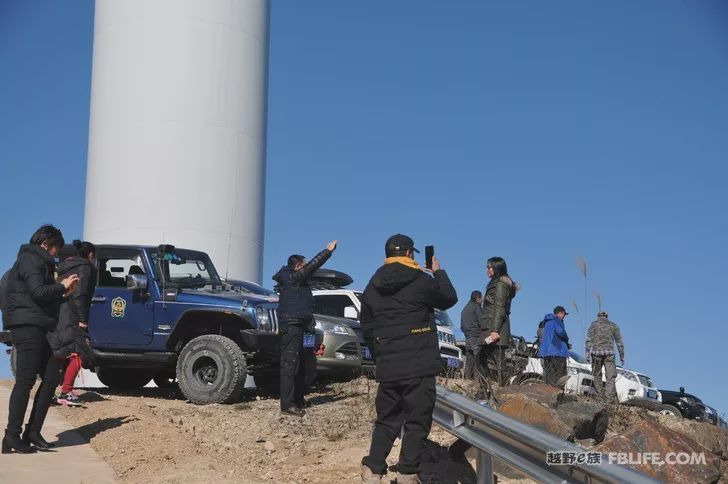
(118, 307)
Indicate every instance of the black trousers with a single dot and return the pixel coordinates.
(298, 367)
(471, 362)
(492, 363)
(33, 358)
(410, 403)
(554, 367)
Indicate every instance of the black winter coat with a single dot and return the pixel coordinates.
(296, 304)
(470, 324)
(32, 296)
(399, 323)
(497, 308)
(69, 337)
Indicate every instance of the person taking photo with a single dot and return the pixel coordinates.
(295, 314)
(399, 324)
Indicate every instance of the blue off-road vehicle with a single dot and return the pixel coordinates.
(163, 313)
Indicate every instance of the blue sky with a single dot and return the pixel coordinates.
(511, 128)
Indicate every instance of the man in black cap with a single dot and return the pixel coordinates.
(399, 324)
(554, 346)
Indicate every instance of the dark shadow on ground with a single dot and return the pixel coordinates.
(324, 399)
(82, 435)
(89, 396)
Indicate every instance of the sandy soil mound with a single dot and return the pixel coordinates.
(155, 436)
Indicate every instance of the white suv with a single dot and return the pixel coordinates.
(631, 384)
(346, 303)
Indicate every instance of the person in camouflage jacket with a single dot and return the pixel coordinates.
(603, 334)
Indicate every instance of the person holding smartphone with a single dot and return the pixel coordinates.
(496, 322)
(295, 316)
(398, 321)
(31, 301)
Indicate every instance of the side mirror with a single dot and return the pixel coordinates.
(136, 281)
(350, 312)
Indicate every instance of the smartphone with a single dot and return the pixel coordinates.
(429, 254)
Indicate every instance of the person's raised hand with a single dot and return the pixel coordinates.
(435, 264)
(494, 336)
(332, 245)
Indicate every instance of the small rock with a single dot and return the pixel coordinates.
(259, 439)
(270, 447)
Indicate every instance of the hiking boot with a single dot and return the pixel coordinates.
(369, 477)
(66, 399)
(407, 479)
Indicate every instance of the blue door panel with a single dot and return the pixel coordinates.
(120, 318)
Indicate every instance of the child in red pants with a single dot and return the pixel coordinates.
(67, 397)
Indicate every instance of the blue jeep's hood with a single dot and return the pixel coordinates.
(221, 297)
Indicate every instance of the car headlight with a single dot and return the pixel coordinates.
(263, 318)
(335, 328)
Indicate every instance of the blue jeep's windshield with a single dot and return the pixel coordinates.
(186, 269)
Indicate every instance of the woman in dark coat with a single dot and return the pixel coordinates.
(70, 341)
(496, 324)
(31, 299)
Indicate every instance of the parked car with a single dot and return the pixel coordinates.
(681, 404)
(711, 415)
(579, 371)
(163, 313)
(631, 384)
(247, 287)
(338, 350)
(346, 303)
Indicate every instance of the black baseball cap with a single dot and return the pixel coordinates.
(560, 309)
(400, 242)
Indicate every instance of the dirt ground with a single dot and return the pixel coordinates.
(156, 436)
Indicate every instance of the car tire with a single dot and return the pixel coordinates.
(528, 380)
(123, 378)
(211, 369)
(666, 409)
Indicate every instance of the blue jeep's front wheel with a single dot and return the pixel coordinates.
(211, 369)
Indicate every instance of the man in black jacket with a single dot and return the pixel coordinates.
(32, 299)
(470, 324)
(295, 316)
(398, 320)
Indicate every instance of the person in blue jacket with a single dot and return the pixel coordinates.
(554, 346)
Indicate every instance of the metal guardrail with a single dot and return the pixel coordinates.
(518, 445)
